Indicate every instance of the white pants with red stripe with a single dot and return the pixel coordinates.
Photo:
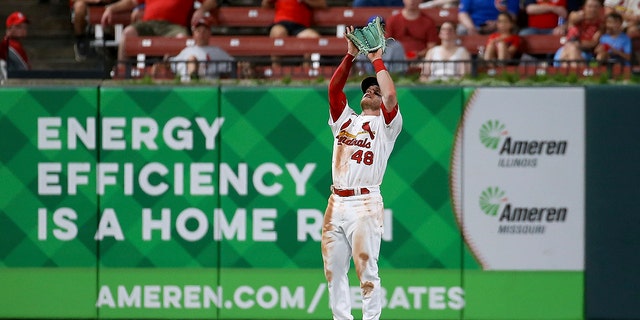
(353, 227)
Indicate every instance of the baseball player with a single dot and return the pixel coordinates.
(353, 220)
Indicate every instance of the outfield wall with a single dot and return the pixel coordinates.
(207, 203)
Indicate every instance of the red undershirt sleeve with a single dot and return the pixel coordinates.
(337, 98)
(389, 115)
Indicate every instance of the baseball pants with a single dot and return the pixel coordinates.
(353, 227)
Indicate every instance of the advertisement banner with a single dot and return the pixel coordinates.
(519, 178)
(227, 193)
(47, 218)
(207, 203)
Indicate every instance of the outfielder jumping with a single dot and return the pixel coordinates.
(353, 221)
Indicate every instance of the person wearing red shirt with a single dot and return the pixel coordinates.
(503, 44)
(169, 18)
(414, 29)
(11, 50)
(583, 34)
(293, 18)
(545, 17)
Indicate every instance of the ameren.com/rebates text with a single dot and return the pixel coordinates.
(268, 297)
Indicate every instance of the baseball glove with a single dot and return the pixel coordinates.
(369, 38)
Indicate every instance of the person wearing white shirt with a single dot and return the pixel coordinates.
(447, 60)
(202, 60)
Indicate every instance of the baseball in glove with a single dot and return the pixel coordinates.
(369, 38)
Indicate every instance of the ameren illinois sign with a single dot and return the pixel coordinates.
(518, 178)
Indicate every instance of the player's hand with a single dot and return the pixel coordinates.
(375, 55)
(351, 48)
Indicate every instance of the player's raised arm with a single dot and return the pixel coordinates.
(337, 98)
(387, 87)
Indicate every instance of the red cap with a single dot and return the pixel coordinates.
(16, 18)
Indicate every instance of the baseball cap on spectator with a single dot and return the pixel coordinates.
(16, 18)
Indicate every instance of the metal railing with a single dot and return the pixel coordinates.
(323, 68)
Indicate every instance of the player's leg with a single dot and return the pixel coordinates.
(367, 236)
(336, 254)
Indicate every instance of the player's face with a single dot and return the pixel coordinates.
(372, 98)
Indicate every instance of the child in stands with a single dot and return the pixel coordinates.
(504, 44)
(614, 44)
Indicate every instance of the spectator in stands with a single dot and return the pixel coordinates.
(414, 29)
(480, 16)
(504, 44)
(630, 12)
(12, 53)
(161, 18)
(394, 57)
(447, 60)
(202, 60)
(293, 18)
(583, 34)
(545, 17)
(614, 44)
(79, 14)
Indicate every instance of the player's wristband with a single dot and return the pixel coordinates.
(378, 65)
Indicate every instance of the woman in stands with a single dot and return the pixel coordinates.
(447, 60)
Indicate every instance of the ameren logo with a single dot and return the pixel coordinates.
(517, 153)
(514, 219)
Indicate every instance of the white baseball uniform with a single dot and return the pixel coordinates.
(353, 221)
